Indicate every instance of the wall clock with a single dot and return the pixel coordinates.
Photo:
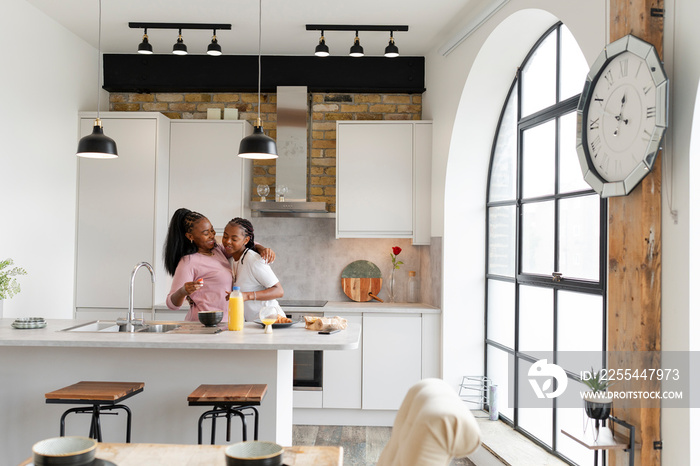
(621, 116)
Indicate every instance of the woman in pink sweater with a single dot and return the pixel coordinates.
(198, 264)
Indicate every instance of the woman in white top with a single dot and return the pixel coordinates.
(251, 273)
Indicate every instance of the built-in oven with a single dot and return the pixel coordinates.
(308, 365)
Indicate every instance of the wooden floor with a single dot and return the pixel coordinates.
(361, 445)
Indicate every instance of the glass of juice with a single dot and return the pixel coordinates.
(268, 316)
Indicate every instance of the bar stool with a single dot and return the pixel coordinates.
(228, 400)
(100, 397)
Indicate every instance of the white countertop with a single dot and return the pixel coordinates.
(339, 307)
(252, 337)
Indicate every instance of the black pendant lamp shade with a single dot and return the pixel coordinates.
(97, 145)
(145, 47)
(356, 50)
(214, 48)
(258, 145)
(322, 49)
(180, 48)
(391, 50)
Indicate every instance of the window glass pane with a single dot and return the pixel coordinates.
(504, 169)
(538, 160)
(580, 322)
(573, 66)
(501, 312)
(497, 371)
(539, 78)
(537, 421)
(538, 238)
(502, 241)
(570, 176)
(572, 421)
(579, 237)
(536, 319)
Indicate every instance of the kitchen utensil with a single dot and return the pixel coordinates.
(361, 281)
(254, 454)
(210, 318)
(73, 451)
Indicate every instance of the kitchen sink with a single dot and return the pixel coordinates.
(111, 326)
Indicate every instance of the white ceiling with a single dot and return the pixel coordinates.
(283, 23)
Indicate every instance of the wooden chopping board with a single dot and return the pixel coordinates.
(361, 281)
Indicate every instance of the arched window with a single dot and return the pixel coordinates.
(542, 220)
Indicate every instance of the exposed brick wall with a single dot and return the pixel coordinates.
(325, 110)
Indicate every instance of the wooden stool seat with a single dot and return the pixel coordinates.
(101, 396)
(228, 400)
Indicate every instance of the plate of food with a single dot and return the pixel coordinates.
(281, 322)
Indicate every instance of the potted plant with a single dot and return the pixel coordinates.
(597, 401)
(9, 286)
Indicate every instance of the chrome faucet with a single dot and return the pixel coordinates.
(131, 320)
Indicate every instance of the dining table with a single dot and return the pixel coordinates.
(154, 454)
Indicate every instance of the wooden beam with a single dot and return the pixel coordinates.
(634, 254)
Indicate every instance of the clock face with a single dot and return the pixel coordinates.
(621, 116)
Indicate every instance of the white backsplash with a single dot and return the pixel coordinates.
(310, 259)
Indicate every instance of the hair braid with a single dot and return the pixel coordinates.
(248, 230)
(176, 243)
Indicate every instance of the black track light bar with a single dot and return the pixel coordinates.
(210, 26)
(350, 27)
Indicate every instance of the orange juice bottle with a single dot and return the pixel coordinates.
(235, 310)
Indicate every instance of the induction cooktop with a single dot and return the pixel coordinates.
(301, 302)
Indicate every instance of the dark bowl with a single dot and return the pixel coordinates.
(254, 454)
(63, 451)
(210, 318)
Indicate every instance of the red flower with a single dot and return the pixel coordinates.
(396, 250)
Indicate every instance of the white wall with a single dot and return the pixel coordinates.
(463, 132)
(48, 75)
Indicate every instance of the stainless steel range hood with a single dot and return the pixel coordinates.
(292, 166)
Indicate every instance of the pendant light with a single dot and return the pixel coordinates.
(356, 50)
(179, 48)
(258, 145)
(322, 49)
(97, 145)
(391, 50)
(144, 47)
(214, 48)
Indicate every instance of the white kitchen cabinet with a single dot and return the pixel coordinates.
(391, 359)
(342, 374)
(206, 174)
(122, 212)
(383, 179)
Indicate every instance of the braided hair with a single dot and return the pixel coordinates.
(248, 231)
(176, 243)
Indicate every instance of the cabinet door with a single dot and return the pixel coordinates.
(116, 210)
(342, 374)
(391, 359)
(374, 180)
(206, 174)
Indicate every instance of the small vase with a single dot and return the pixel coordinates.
(391, 286)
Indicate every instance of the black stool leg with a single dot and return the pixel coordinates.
(255, 415)
(96, 429)
(66, 413)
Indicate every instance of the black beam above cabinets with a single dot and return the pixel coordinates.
(239, 73)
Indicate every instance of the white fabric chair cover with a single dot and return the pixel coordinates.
(433, 425)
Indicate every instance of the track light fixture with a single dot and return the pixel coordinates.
(214, 48)
(391, 50)
(356, 50)
(180, 48)
(97, 145)
(322, 48)
(144, 47)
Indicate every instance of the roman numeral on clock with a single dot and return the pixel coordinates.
(594, 124)
(651, 112)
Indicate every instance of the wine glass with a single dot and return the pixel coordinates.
(281, 191)
(268, 315)
(263, 190)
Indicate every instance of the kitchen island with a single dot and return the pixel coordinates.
(36, 361)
